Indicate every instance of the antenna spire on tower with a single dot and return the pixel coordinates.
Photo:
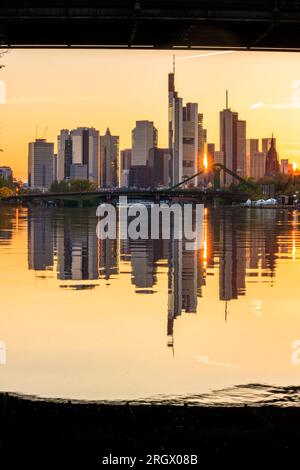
(226, 99)
(174, 63)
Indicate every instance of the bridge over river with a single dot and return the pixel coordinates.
(112, 195)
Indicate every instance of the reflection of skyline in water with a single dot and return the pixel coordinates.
(242, 244)
(94, 318)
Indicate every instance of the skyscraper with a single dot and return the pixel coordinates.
(109, 160)
(252, 145)
(159, 165)
(272, 163)
(64, 159)
(6, 173)
(190, 141)
(144, 137)
(78, 147)
(85, 151)
(202, 142)
(232, 143)
(175, 132)
(228, 142)
(257, 165)
(125, 167)
(40, 164)
(241, 149)
(266, 144)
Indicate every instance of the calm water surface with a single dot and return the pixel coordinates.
(146, 320)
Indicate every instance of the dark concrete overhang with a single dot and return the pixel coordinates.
(157, 24)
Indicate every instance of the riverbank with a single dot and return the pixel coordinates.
(128, 429)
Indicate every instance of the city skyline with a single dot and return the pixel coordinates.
(128, 102)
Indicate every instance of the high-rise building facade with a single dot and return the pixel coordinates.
(159, 165)
(266, 144)
(258, 165)
(6, 173)
(241, 165)
(125, 166)
(190, 143)
(202, 143)
(109, 160)
(175, 133)
(228, 142)
(286, 167)
(210, 154)
(232, 144)
(85, 151)
(272, 162)
(78, 147)
(64, 159)
(40, 164)
(144, 137)
(252, 146)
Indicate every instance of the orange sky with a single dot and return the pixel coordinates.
(70, 88)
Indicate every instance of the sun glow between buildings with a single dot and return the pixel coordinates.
(205, 162)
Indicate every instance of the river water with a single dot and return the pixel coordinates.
(147, 320)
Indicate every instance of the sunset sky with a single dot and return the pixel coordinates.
(55, 89)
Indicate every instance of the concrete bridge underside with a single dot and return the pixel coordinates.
(152, 24)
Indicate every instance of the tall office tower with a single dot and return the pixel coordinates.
(109, 160)
(266, 144)
(40, 164)
(252, 146)
(78, 171)
(272, 163)
(85, 151)
(175, 133)
(64, 159)
(125, 167)
(257, 165)
(210, 154)
(241, 168)
(159, 165)
(286, 168)
(219, 157)
(55, 167)
(232, 143)
(202, 142)
(190, 141)
(144, 137)
(140, 176)
(6, 173)
(228, 142)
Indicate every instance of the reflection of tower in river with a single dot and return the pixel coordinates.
(232, 270)
(40, 240)
(108, 258)
(142, 264)
(77, 248)
(182, 283)
(263, 243)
